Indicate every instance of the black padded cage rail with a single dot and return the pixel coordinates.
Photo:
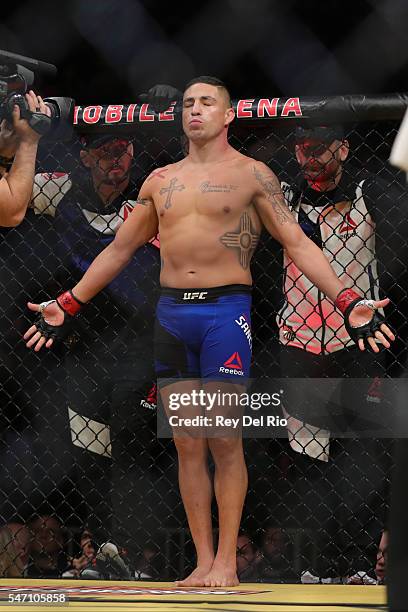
(81, 463)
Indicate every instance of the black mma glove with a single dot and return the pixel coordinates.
(345, 302)
(70, 305)
(159, 97)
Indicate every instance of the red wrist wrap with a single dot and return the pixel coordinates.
(344, 299)
(69, 303)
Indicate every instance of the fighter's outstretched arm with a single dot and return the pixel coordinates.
(139, 228)
(279, 221)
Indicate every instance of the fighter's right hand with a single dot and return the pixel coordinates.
(54, 320)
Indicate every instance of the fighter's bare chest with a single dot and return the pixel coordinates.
(181, 193)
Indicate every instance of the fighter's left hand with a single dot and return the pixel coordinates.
(366, 325)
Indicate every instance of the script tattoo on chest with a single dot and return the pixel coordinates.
(170, 190)
(243, 240)
(273, 193)
(208, 187)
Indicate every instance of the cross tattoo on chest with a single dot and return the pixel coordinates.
(170, 190)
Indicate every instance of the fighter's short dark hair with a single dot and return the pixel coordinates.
(209, 80)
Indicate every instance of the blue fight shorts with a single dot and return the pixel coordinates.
(204, 333)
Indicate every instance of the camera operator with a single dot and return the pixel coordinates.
(18, 151)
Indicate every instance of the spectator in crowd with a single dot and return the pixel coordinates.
(347, 213)
(18, 152)
(109, 364)
(147, 565)
(381, 565)
(275, 564)
(247, 559)
(14, 546)
(87, 546)
(87, 556)
(47, 555)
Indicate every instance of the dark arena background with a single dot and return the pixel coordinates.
(81, 461)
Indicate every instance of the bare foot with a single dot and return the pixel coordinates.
(221, 575)
(196, 578)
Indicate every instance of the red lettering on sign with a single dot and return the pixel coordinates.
(268, 106)
(242, 107)
(292, 105)
(92, 114)
(113, 113)
(76, 113)
(130, 113)
(168, 115)
(144, 115)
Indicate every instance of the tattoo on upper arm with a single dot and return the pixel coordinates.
(143, 201)
(273, 193)
(170, 190)
(160, 172)
(244, 240)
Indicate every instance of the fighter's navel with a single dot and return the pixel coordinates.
(226, 209)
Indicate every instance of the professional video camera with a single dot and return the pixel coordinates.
(16, 77)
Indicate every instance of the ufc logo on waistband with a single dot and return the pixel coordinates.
(200, 295)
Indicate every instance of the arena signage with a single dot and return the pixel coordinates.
(113, 114)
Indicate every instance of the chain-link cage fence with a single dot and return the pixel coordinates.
(81, 461)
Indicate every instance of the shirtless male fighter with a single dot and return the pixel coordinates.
(209, 209)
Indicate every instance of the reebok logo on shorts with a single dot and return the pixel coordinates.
(233, 365)
(374, 393)
(246, 328)
(150, 401)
